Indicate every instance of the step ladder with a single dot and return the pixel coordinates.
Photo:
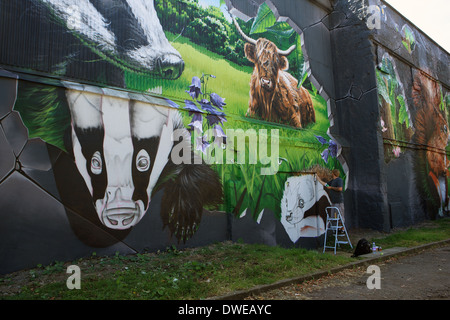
(334, 223)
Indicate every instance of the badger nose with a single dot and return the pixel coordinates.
(121, 219)
(170, 66)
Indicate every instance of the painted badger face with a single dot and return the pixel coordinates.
(125, 31)
(120, 147)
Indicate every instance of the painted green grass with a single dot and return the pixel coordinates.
(231, 82)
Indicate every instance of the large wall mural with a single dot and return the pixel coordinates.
(395, 116)
(414, 119)
(268, 88)
(178, 101)
(132, 125)
(432, 134)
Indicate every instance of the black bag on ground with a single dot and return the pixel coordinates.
(363, 247)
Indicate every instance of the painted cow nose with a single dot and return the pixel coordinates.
(170, 66)
(266, 83)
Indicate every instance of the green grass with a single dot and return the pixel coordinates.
(194, 273)
(190, 274)
(437, 231)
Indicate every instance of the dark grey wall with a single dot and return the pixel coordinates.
(407, 203)
(380, 195)
(356, 114)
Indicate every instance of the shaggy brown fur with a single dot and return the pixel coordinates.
(274, 93)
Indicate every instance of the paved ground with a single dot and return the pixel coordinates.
(421, 276)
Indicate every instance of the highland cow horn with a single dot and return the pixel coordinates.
(286, 52)
(253, 41)
(246, 38)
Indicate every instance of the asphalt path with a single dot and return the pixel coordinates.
(424, 275)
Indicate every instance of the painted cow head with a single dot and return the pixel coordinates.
(268, 59)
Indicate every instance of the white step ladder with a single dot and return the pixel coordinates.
(334, 223)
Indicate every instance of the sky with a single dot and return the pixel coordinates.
(206, 3)
(216, 3)
(431, 16)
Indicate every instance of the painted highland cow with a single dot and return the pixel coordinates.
(274, 93)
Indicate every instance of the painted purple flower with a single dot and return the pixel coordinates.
(325, 155)
(217, 100)
(192, 107)
(332, 148)
(216, 118)
(219, 136)
(211, 108)
(321, 140)
(172, 104)
(197, 122)
(202, 144)
(331, 151)
(195, 89)
(206, 105)
(204, 101)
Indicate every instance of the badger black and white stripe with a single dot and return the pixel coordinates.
(91, 40)
(122, 148)
(120, 145)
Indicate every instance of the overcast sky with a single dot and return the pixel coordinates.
(431, 16)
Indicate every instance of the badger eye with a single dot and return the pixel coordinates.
(301, 203)
(143, 161)
(96, 163)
